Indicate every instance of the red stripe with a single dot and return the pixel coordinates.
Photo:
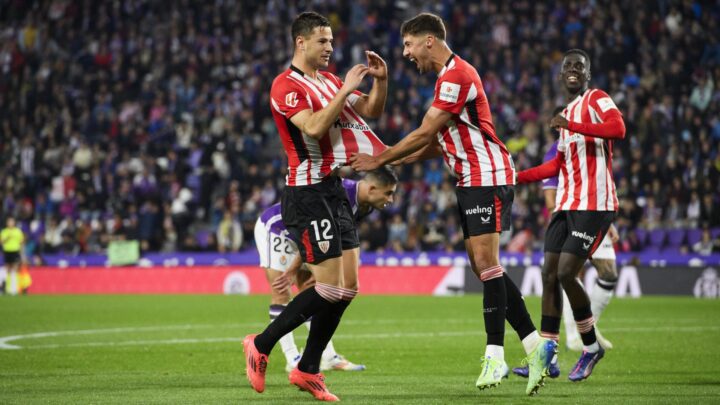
(309, 257)
(472, 155)
(598, 238)
(498, 214)
(591, 162)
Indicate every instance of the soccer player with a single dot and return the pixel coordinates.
(459, 127)
(586, 201)
(604, 261)
(279, 256)
(320, 121)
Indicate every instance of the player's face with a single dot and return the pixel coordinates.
(380, 197)
(415, 48)
(575, 72)
(318, 47)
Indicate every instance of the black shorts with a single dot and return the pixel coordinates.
(577, 232)
(484, 209)
(12, 257)
(319, 218)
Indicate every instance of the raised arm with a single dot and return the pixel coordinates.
(372, 105)
(316, 124)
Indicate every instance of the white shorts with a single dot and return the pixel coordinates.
(605, 251)
(277, 251)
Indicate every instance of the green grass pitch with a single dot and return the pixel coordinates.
(187, 349)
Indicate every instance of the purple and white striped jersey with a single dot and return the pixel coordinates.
(551, 183)
(272, 218)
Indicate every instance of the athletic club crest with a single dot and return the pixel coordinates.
(324, 245)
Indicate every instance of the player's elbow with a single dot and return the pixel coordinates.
(314, 132)
(621, 129)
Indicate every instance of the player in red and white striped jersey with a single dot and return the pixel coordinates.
(459, 127)
(585, 204)
(320, 121)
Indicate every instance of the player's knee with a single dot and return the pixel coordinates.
(606, 271)
(485, 261)
(566, 275)
(280, 297)
(549, 278)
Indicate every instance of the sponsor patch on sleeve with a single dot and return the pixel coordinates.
(449, 92)
(291, 99)
(606, 104)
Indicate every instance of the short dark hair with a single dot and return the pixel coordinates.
(383, 176)
(579, 52)
(306, 22)
(424, 23)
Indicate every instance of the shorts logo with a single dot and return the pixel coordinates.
(291, 99)
(324, 245)
(585, 237)
(481, 210)
(283, 260)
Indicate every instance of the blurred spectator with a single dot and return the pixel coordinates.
(229, 234)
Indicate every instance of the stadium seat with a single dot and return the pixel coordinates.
(676, 238)
(657, 238)
(642, 236)
(694, 236)
(715, 233)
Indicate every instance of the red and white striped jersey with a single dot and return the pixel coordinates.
(586, 178)
(310, 160)
(471, 148)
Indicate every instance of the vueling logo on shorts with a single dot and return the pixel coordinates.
(584, 236)
(480, 210)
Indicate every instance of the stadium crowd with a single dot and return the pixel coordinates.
(150, 120)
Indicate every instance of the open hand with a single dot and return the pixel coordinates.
(377, 67)
(354, 77)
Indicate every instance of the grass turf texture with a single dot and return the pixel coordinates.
(187, 349)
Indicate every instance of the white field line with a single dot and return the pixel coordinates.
(394, 335)
(4, 341)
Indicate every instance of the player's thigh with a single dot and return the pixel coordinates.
(351, 262)
(329, 271)
(485, 250)
(309, 213)
(585, 231)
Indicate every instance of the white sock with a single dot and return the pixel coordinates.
(600, 297)
(495, 352)
(329, 353)
(571, 331)
(290, 350)
(531, 341)
(593, 348)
